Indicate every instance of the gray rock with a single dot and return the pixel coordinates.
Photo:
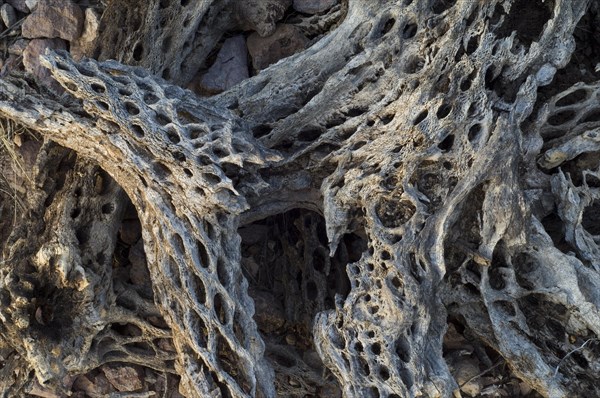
(18, 47)
(19, 5)
(269, 315)
(31, 61)
(260, 15)
(32, 4)
(313, 6)
(11, 63)
(131, 231)
(230, 67)
(8, 14)
(285, 41)
(54, 18)
(138, 273)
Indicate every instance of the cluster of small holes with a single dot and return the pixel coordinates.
(393, 213)
(573, 107)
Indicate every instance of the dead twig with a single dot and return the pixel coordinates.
(481, 374)
(581, 347)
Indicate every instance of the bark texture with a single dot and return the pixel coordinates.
(425, 164)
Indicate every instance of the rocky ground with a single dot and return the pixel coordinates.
(29, 27)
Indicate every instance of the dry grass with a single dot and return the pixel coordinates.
(9, 132)
(10, 164)
(11, 170)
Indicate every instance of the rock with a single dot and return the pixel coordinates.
(19, 5)
(130, 231)
(123, 378)
(54, 18)
(158, 322)
(11, 63)
(331, 391)
(29, 151)
(260, 15)
(39, 391)
(313, 6)
(524, 389)
(84, 45)
(269, 314)
(464, 371)
(166, 345)
(230, 67)
(8, 14)
(285, 41)
(18, 47)
(93, 386)
(31, 61)
(250, 266)
(31, 4)
(138, 273)
(167, 387)
(312, 359)
(453, 340)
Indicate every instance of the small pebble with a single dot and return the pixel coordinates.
(9, 16)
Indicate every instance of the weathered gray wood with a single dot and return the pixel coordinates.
(423, 123)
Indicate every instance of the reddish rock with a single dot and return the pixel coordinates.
(31, 61)
(285, 41)
(29, 151)
(95, 384)
(123, 378)
(230, 67)
(260, 15)
(54, 18)
(84, 45)
(313, 6)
